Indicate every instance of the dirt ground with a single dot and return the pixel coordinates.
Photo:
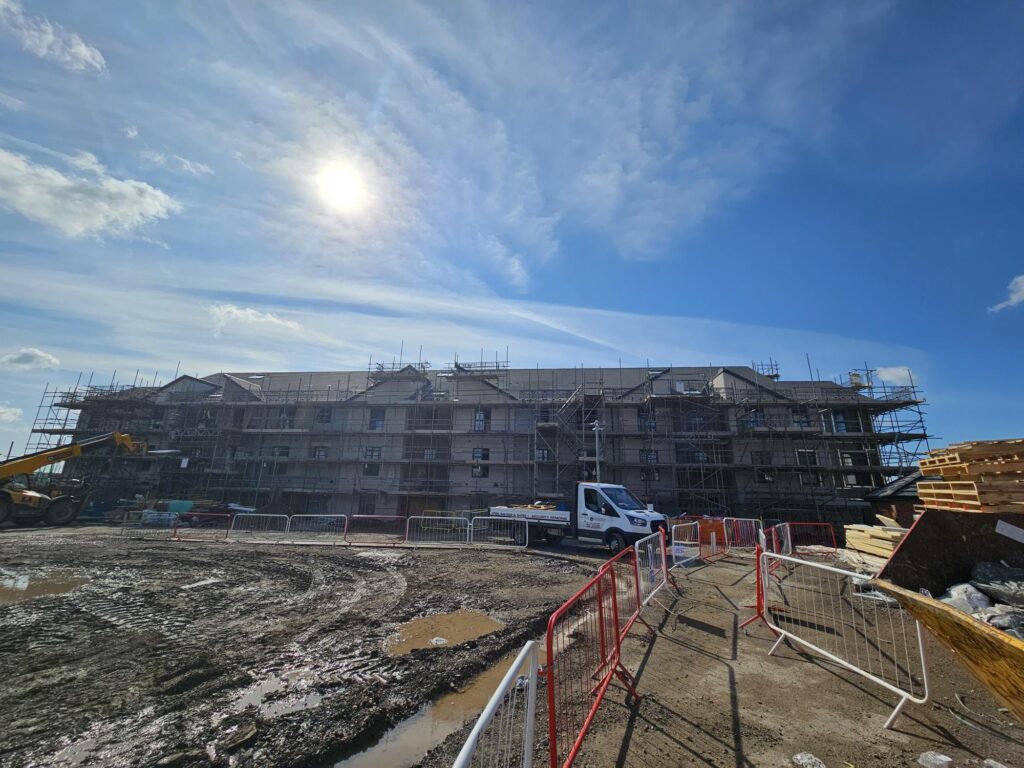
(199, 654)
(283, 661)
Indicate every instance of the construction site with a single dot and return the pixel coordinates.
(509, 567)
(401, 439)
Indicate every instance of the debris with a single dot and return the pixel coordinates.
(1000, 582)
(176, 759)
(932, 759)
(1002, 617)
(239, 738)
(966, 598)
(807, 760)
(992, 764)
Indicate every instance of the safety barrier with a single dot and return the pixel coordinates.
(834, 613)
(378, 530)
(425, 531)
(685, 544)
(317, 529)
(584, 654)
(741, 534)
(257, 528)
(803, 540)
(201, 526)
(627, 589)
(652, 570)
(148, 524)
(503, 734)
(513, 532)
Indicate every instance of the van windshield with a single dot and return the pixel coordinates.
(623, 499)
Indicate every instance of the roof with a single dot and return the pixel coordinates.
(902, 488)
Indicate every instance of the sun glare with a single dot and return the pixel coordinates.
(341, 188)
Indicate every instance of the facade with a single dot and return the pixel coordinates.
(402, 440)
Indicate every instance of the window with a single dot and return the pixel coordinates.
(324, 415)
(280, 451)
(806, 458)
(371, 453)
(481, 470)
(623, 499)
(318, 452)
(801, 419)
(429, 454)
(645, 420)
(761, 458)
(371, 469)
(755, 418)
(481, 454)
(591, 500)
(652, 473)
(846, 421)
(481, 419)
(855, 459)
(367, 504)
(543, 454)
(763, 476)
(648, 456)
(377, 419)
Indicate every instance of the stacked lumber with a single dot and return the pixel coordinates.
(983, 476)
(877, 540)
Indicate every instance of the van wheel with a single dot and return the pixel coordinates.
(616, 542)
(60, 512)
(519, 536)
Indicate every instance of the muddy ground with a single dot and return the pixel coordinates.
(711, 696)
(199, 654)
(284, 660)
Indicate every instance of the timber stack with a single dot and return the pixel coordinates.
(981, 476)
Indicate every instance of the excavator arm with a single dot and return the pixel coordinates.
(25, 465)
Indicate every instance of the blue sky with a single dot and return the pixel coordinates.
(289, 185)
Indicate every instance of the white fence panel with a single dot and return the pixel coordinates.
(148, 524)
(836, 614)
(651, 565)
(258, 529)
(741, 534)
(438, 531)
(326, 530)
(500, 532)
(685, 544)
(503, 736)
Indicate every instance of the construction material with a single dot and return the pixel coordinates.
(985, 476)
(877, 540)
(940, 551)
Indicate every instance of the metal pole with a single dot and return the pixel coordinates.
(597, 448)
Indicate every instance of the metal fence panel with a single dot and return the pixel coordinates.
(741, 533)
(629, 602)
(202, 526)
(583, 655)
(377, 530)
(316, 529)
(148, 524)
(258, 529)
(835, 613)
(652, 570)
(804, 540)
(500, 532)
(503, 735)
(685, 544)
(425, 531)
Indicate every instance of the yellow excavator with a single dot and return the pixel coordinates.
(25, 506)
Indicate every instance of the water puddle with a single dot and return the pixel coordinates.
(17, 587)
(295, 680)
(404, 745)
(442, 629)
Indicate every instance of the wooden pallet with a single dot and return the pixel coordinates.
(972, 453)
(971, 494)
(876, 540)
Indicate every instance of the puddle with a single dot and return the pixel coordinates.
(292, 679)
(404, 745)
(442, 629)
(15, 588)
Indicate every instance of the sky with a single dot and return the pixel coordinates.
(217, 186)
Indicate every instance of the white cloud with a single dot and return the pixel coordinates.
(8, 101)
(900, 375)
(191, 166)
(87, 161)
(229, 316)
(78, 206)
(1015, 295)
(28, 358)
(47, 40)
(130, 131)
(9, 414)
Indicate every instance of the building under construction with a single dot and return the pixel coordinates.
(405, 439)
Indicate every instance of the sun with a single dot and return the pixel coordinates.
(341, 188)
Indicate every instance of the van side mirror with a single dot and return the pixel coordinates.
(607, 508)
